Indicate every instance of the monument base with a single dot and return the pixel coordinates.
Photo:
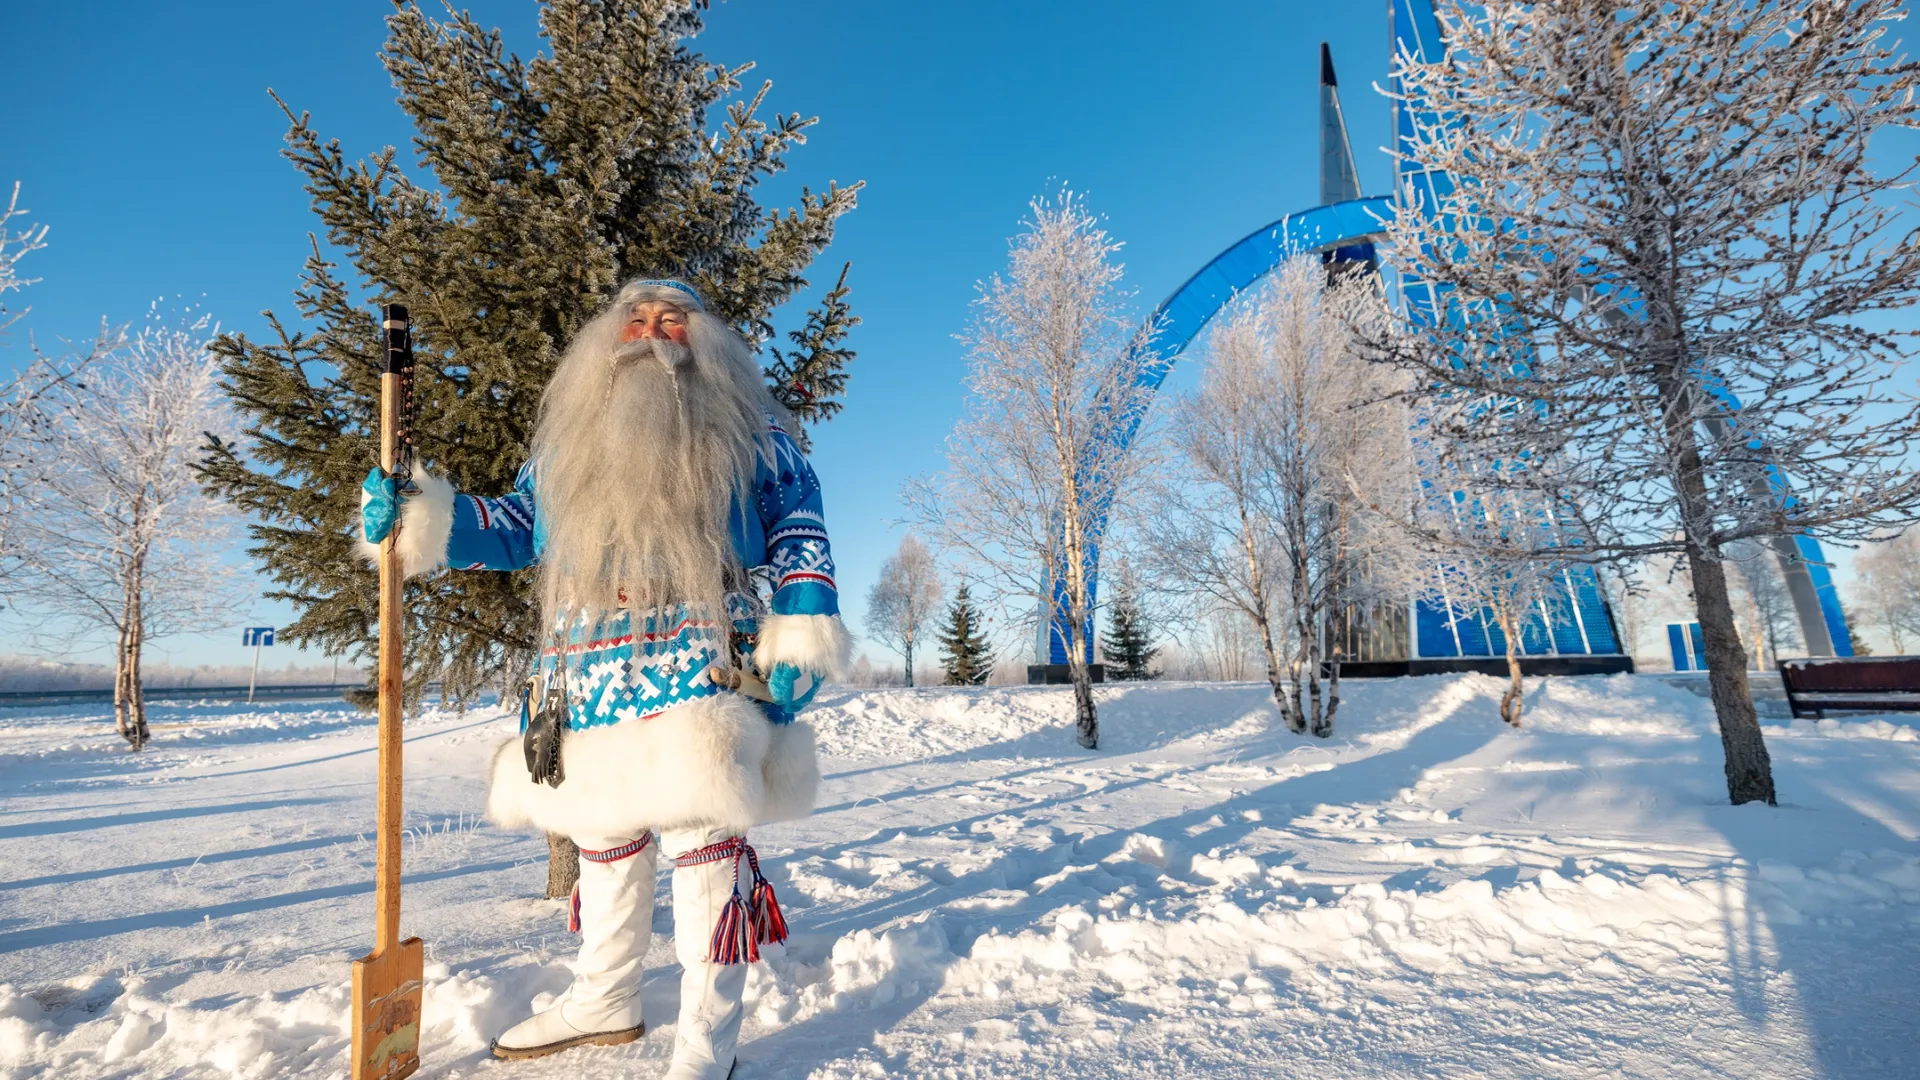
(1056, 674)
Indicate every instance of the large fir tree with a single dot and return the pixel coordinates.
(1128, 643)
(964, 652)
(542, 184)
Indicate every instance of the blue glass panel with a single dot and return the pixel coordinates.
(1593, 611)
(1433, 637)
(1678, 646)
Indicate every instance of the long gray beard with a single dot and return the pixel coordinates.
(635, 474)
(672, 357)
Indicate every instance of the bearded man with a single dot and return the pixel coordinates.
(665, 494)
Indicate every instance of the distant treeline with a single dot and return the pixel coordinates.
(25, 673)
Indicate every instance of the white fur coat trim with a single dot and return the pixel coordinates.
(426, 524)
(816, 644)
(715, 761)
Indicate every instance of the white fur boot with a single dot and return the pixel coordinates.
(615, 909)
(706, 878)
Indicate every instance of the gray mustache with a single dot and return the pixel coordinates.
(670, 355)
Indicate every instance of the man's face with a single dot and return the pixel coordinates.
(655, 319)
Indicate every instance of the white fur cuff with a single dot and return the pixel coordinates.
(426, 524)
(715, 761)
(817, 644)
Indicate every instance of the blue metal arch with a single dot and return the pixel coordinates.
(1181, 316)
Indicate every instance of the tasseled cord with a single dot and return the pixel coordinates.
(744, 925)
(769, 926)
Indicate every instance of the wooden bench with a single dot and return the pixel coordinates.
(1869, 683)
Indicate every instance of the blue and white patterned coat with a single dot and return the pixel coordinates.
(653, 742)
(616, 672)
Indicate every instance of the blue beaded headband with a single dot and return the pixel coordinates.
(665, 283)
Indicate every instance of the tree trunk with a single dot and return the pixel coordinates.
(1336, 592)
(137, 636)
(1086, 726)
(1276, 678)
(1310, 672)
(1510, 701)
(1748, 765)
(1305, 670)
(129, 709)
(563, 866)
(909, 655)
(136, 694)
(1324, 729)
(1749, 768)
(120, 723)
(1296, 712)
(1262, 618)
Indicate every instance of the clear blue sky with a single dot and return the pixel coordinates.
(143, 135)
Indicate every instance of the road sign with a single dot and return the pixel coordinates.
(255, 636)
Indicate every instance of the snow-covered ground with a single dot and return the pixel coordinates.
(1426, 894)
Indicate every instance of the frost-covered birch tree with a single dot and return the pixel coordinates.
(903, 600)
(1032, 467)
(1768, 606)
(1255, 511)
(25, 405)
(121, 537)
(1323, 425)
(1204, 540)
(18, 239)
(1672, 201)
(1473, 542)
(1890, 579)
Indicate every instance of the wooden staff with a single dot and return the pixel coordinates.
(387, 981)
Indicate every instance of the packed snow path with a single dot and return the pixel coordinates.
(1426, 894)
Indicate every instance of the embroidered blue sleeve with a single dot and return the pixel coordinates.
(797, 547)
(495, 534)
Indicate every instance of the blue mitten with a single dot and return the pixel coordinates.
(379, 505)
(790, 687)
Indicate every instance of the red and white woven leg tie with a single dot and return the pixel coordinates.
(608, 855)
(744, 925)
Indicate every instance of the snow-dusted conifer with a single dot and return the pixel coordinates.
(810, 377)
(1675, 204)
(544, 182)
(966, 656)
(1128, 643)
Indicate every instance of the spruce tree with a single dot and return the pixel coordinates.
(964, 651)
(1128, 643)
(809, 378)
(541, 184)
